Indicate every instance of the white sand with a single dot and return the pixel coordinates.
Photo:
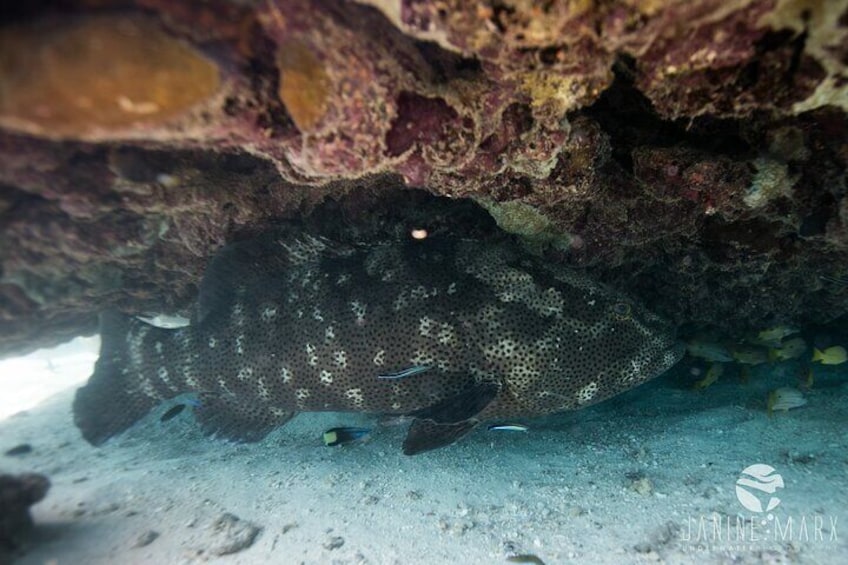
(617, 483)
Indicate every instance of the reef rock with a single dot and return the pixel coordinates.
(17, 494)
(691, 151)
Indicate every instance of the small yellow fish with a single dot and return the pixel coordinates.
(708, 350)
(714, 372)
(773, 336)
(750, 355)
(835, 355)
(789, 349)
(808, 382)
(784, 398)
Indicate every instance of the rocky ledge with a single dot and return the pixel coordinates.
(691, 151)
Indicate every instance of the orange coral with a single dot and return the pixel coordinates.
(79, 77)
(304, 85)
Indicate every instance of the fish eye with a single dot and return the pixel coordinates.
(621, 310)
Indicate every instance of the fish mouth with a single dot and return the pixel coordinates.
(670, 351)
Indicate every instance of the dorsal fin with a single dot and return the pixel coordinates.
(252, 262)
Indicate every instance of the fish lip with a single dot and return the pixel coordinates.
(669, 354)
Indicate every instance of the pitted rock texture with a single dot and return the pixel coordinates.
(17, 494)
(691, 152)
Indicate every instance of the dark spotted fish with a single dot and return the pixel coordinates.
(446, 332)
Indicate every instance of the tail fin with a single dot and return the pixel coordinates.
(115, 396)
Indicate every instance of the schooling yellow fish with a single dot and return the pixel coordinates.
(785, 399)
(835, 355)
(713, 374)
(789, 349)
(773, 336)
(750, 355)
(708, 350)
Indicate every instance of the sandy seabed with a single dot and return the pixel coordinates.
(648, 477)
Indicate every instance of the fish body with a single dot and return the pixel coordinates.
(788, 349)
(750, 355)
(709, 351)
(772, 337)
(344, 436)
(285, 325)
(715, 371)
(785, 399)
(508, 428)
(835, 355)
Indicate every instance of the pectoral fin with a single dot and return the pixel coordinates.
(463, 406)
(425, 435)
(447, 421)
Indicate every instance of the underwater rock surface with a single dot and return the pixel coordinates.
(694, 153)
(17, 494)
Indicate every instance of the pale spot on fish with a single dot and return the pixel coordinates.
(268, 314)
(380, 358)
(301, 394)
(452, 288)
(212, 342)
(507, 296)
(422, 358)
(358, 309)
(238, 314)
(223, 386)
(425, 324)
(342, 279)
(262, 389)
(587, 393)
(158, 347)
(401, 301)
(501, 349)
(355, 394)
(326, 377)
(341, 358)
(162, 373)
(316, 314)
(148, 389)
(244, 373)
(446, 334)
(286, 374)
(419, 293)
(134, 343)
(329, 333)
(240, 344)
(311, 358)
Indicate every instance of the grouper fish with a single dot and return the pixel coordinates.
(447, 332)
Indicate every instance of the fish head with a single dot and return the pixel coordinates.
(605, 344)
